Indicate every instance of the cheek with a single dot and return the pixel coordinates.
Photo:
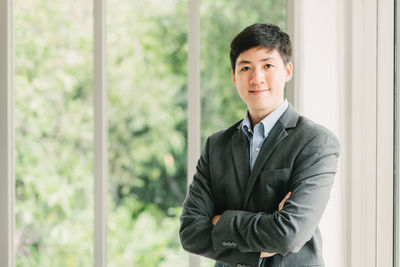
(239, 84)
(278, 81)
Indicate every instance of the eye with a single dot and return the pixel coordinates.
(268, 66)
(246, 68)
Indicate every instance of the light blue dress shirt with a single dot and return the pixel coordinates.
(258, 135)
(260, 132)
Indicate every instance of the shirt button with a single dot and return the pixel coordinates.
(257, 149)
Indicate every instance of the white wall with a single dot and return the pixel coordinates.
(343, 79)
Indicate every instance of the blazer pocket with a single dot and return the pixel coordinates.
(275, 183)
(275, 178)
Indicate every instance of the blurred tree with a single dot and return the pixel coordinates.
(147, 101)
(147, 79)
(54, 129)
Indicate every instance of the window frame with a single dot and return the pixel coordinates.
(7, 176)
(396, 139)
(100, 141)
(194, 99)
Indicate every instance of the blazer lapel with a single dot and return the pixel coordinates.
(276, 135)
(241, 157)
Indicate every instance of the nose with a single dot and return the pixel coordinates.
(257, 77)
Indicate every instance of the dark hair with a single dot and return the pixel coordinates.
(269, 36)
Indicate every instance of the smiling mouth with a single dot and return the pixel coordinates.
(257, 92)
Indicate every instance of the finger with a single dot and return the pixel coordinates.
(287, 196)
(266, 254)
(215, 219)
(280, 206)
(282, 203)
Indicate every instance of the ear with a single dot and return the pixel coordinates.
(289, 71)
(233, 78)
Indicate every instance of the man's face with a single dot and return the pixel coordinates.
(260, 76)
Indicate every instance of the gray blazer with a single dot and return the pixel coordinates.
(298, 156)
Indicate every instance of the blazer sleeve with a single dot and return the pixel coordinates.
(196, 227)
(289, 229)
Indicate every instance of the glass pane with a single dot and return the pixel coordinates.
(147, 83)
(221, 106)
(54, 132)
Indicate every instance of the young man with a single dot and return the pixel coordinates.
(261, 186)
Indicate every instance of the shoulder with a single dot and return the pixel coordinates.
(225, 135)
(315, 134)
(302, 129)
(312, 128)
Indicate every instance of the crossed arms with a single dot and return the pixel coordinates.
(263, 254)
(283, 231)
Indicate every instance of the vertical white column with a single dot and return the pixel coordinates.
(100, 135)
(396, 208)
(193, 97)
(363, 141)
(316, 32)
(7, 180)
(294, 28)
(385, 130)
(345, 79)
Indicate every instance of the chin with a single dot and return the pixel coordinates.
(264, 105)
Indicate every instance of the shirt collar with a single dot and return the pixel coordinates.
(268, 121)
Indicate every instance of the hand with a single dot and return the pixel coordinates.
(280, 206)
(215, 219)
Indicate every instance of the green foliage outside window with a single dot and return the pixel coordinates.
(53, 128)
(147, 119)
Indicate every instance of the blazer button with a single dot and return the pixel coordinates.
(234, 245)
(225, 244)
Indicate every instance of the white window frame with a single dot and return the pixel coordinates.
(396, 176)
(7, 179)
(100, 134)
(371, 188)
(194, 103)
(385, 132)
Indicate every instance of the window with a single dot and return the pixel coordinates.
(147, 53)
(53, 122)
(147, 118)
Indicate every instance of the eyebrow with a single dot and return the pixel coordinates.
(249, 62)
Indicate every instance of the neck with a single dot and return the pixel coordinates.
(257, 115)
